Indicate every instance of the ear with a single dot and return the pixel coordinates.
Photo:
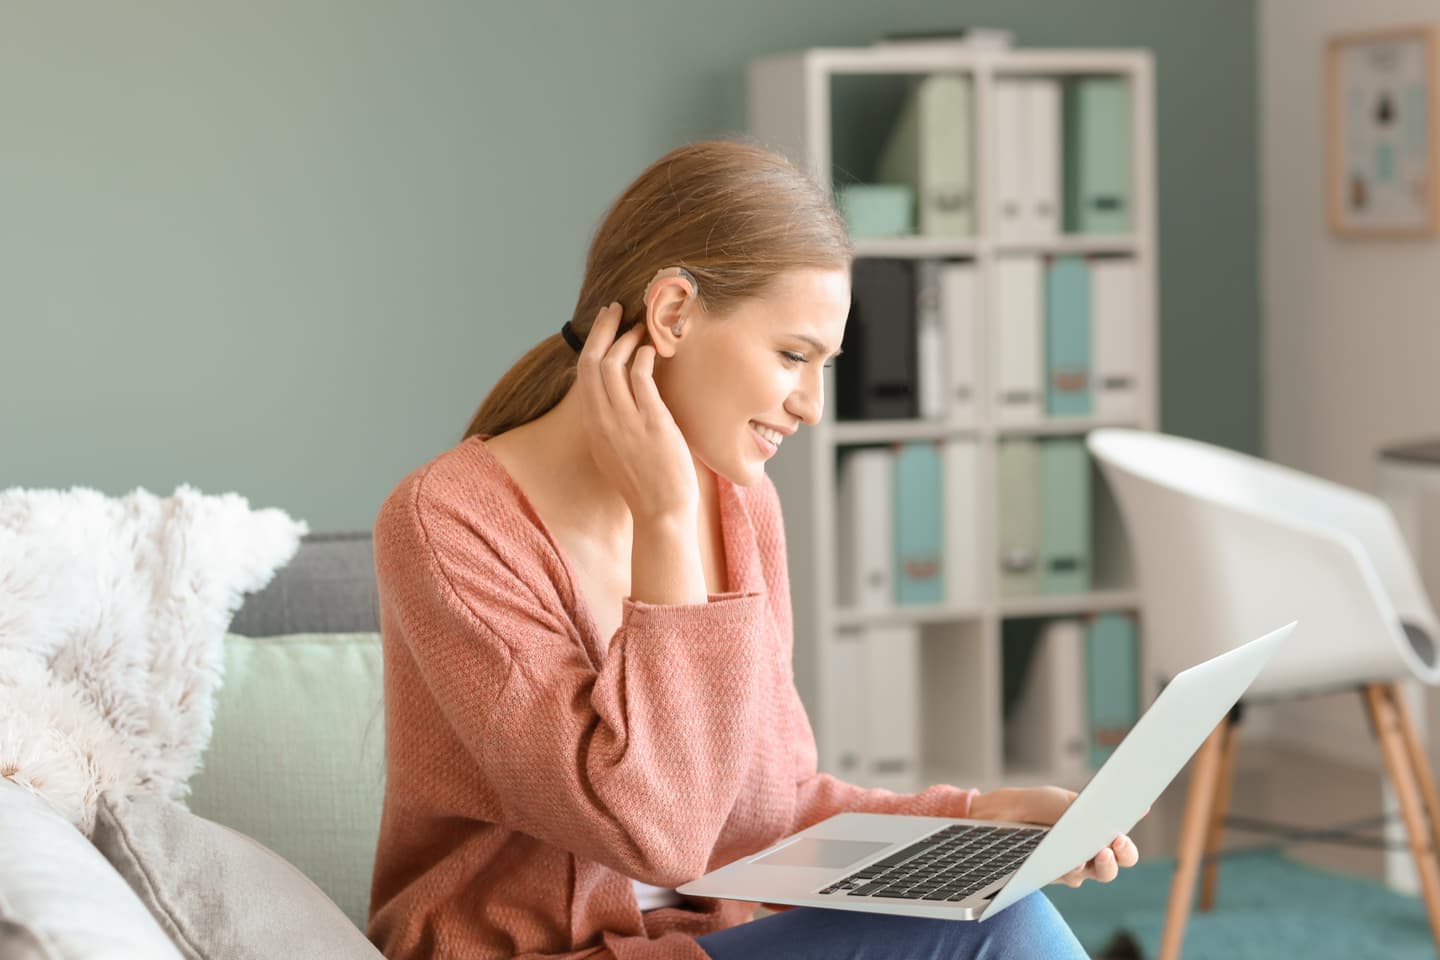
(668, 301)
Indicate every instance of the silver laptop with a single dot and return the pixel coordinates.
(972, 869)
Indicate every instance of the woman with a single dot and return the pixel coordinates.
(586, 613)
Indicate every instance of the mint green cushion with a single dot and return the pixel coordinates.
(297, 757)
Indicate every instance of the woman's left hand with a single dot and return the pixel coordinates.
(1043, 805)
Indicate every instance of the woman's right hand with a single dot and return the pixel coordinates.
(633, 437)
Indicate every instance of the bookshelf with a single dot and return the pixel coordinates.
(825, 108)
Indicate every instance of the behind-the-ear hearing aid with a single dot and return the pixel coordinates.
(674, 272)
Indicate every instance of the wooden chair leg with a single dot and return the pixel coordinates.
(1419, 761)
(1198, 800)
(1224, 784)
(1386, 710)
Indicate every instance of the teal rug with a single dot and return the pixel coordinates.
(1267, 907)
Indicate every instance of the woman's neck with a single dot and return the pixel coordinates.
(560, 445)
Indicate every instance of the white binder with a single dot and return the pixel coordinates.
(892, 723)
(1041, 156)
(1047, 729)
(930, 386)
(1010, 212)
(842, 742)
(959, 308)
(929, 149)
(960, 466)
(865, 530)
(1114, 328)
(1019, 360)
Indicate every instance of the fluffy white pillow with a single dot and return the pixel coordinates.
(113, 613)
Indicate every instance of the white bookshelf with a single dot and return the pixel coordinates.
(960, 711)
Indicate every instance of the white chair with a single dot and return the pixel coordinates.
(1229, 546)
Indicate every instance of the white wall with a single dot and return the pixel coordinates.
(1351, 328)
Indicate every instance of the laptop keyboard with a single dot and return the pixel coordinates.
(951, 865)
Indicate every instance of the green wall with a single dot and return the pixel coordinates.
(285, 247)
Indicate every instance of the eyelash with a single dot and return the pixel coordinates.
(793, 358)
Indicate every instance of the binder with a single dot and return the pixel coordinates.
(930, 386)
(929, 150)
(876, 376)
(1112, 682)
(961, 472)
(1047, 728)
(1041, 157)
(863, 531)
(1027, 130)
(842, 747)
(1067, 338)
(1011, 166)
(959, 310)
(1064, 515)
(1019, 492)
(1097, 152)
(919, 530)
(1019, 397)
(1113, 320)
(892, 710)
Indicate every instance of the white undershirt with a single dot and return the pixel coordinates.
(651, 897)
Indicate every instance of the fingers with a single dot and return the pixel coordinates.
(597, 341)
(642, 383)
(603, 360)
(1126, 853)
(1105, 866)
(615, 368)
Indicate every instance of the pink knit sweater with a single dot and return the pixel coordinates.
(535, 770)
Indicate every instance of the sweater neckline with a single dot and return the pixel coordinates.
(733, 518)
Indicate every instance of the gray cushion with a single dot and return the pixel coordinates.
(59, 898)
(329, 587)
(219, 894)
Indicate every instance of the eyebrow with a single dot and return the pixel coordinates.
(819, 347)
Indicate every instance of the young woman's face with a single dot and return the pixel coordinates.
(740, 383)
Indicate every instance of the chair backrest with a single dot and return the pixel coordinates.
(1230, 546)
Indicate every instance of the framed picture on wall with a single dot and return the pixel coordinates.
(1381, 102)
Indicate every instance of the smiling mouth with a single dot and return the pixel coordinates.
(775, 437)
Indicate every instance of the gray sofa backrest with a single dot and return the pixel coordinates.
(327, 587)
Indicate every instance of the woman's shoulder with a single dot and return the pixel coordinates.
(463, 489)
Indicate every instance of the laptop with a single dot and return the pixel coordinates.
(961, 869)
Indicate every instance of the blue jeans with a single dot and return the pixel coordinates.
(1028, 930)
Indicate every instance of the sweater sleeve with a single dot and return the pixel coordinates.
(634, 765)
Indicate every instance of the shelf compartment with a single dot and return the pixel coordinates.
(852, 617)
(861, 432)
(1063, 604)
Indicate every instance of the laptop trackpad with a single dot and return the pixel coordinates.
(812, 852)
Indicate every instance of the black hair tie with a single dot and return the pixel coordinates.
(575, 342)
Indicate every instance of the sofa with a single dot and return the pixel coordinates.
(273, 855)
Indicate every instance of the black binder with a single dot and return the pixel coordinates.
(875, 378)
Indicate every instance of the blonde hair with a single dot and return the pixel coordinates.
(733, 213)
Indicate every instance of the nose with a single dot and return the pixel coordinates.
(807, 402)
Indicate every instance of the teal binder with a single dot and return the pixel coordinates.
(1097, 155)
(1112, 682)
(1018, 485)
(1064, 516)
(1067, 338)
(877, 209)
(919, 531)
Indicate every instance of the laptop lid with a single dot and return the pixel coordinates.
(1142, 766)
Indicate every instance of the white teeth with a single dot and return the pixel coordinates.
(774, 436)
